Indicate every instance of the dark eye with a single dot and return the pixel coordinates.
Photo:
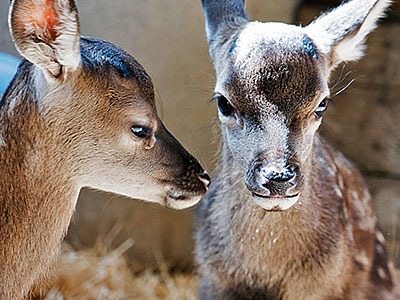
(141, 132)
(224, 106)
(321, 108)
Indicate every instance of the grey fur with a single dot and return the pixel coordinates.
(322, 244)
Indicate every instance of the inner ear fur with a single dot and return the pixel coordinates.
(46, 32)
(341, 33)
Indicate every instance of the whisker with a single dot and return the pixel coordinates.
(340, 76)
(202, 88)
(342, 79)
(209, 75)
(344, 88)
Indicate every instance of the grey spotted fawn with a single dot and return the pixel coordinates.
(288, 217)
(79, 113)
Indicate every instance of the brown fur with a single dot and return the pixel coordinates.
(61, 131)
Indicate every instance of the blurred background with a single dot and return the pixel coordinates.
(168, 39)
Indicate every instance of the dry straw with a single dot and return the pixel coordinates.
(98, 274)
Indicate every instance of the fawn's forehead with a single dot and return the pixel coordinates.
(273, 64)
(113, 65)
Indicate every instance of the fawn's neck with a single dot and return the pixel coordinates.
(38, 195)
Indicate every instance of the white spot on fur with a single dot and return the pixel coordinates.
(2, 142)
(366, 195)
(330, 171)
(350, 231)
(367, 220)
(338, 191)
(363, 258)
(340, 182)
(379, 249)
(380, 237)
(275, 240)
(345, 212)
(368, 224)
(381, 273)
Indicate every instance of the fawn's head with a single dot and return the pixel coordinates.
(97, 103)
(272, 88)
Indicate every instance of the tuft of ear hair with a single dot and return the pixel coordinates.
(46, 32)
(341, 33)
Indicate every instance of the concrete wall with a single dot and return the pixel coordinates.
(168, 39)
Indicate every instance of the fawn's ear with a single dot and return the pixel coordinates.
(46, 32)
(341, 33)
(223, 17)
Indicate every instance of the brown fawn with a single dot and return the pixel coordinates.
(288, 217)
(79, 113)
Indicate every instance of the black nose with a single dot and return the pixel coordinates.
(272, 176)
(205, 179)
(278, 182)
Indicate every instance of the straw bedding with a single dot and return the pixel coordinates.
(94, 274)
(101, 274)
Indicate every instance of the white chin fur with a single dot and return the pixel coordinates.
(183, 203)
(275, 204)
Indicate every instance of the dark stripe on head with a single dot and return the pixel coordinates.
(99, 53)
(310, 48)
(233, 46)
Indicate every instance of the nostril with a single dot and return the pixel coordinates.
(205, 179)
(265, 173)
(289, 174)
(293, 175)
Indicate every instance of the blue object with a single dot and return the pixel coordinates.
(8, 67)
